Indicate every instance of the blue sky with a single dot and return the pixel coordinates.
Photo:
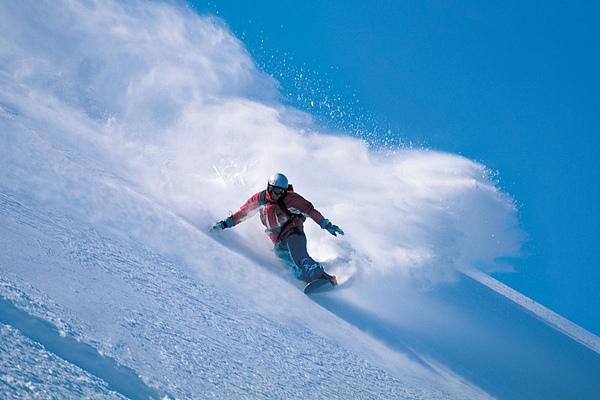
(510, 84)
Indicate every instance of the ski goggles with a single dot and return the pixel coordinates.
(276, 190)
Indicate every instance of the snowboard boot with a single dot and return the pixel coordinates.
(330, 278)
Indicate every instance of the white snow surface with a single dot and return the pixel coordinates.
(184, 335)
(127, 129)
(37, 373)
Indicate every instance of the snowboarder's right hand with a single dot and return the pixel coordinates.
(226, 223)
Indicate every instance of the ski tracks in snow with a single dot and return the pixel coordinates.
(180, 334)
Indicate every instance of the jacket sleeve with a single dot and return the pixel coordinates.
(247, 210)
(299, 205)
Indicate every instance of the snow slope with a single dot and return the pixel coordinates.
(126, 130)
(172, 325)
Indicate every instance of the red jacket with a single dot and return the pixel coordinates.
(273, 217)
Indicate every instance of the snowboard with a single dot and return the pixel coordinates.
(318, 286)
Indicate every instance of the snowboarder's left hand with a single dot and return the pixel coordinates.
(331, 228)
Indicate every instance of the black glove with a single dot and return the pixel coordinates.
(224, 224)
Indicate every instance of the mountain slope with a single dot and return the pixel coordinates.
(127, 130)
(183, 335)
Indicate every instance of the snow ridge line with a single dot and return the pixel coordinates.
(557, 321)
(119, 378)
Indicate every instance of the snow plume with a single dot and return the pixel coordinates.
(170, 103)
(128, 128)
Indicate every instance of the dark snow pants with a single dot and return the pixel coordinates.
(292, 249)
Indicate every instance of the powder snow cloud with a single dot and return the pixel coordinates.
(172, 104)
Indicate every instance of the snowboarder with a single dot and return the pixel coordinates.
(283, 212)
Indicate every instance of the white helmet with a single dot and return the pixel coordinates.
(278, 181)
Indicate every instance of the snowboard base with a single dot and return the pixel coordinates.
(317, 286)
